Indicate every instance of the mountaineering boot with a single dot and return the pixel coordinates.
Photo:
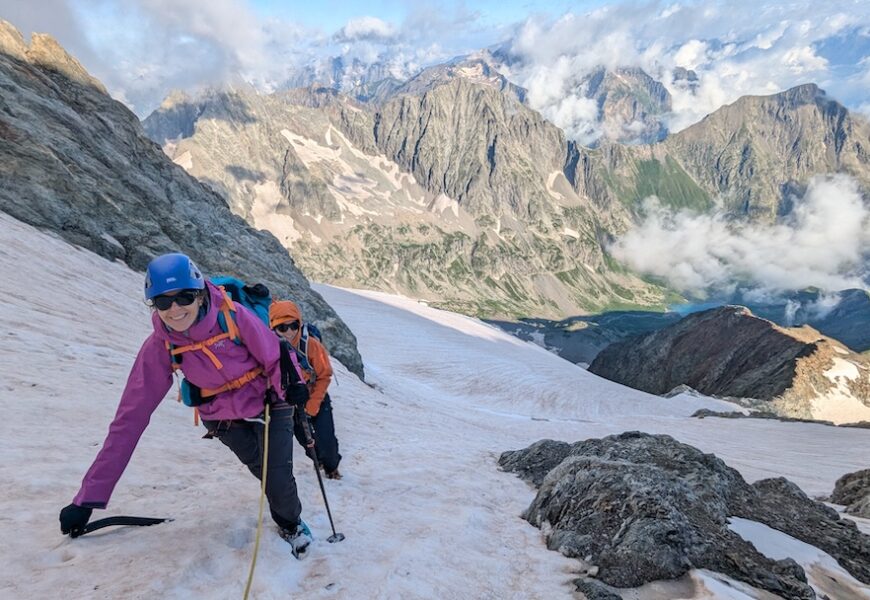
(333, 474)
(299, 538)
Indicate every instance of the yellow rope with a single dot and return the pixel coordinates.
(262, 503)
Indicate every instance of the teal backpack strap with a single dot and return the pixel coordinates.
(302, 353)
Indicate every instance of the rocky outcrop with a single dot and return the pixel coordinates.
(637, 508)
(74, 161)
(728, 352)
(853, 491)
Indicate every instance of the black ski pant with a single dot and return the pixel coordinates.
(245, 439)
(325, 442)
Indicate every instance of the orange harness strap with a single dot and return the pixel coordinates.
(227, 310)
(234, 384)
(203, 346)
(232, 333)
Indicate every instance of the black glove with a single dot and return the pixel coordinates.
(73, 519)
(297, 395)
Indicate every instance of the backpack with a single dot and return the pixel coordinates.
(255, 297)
(308, 330)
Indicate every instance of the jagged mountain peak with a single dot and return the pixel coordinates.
(759, 152)
(320, 96)
(478, 68)
(631, 104)
(11, 41)
(44, 51)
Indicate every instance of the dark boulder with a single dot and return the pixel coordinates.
(643, 507)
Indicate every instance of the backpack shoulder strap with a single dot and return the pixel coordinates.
(227, 317)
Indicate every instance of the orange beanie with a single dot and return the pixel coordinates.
(283, 312)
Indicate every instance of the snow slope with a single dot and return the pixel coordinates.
(426, 512)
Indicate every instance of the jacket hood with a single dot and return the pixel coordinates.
(283, 312)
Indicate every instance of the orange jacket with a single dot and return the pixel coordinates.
(285, 311)
(318, 357)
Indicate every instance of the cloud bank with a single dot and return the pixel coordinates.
(142, 49)
(735, 48)
(824, 243)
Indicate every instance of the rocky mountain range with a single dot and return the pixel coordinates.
(728, 352)
(75, 162)
(456, 196)
(451, 189)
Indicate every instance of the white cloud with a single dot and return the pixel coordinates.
(366, 28)
(804, 60)
(824, 243)
(691, 54)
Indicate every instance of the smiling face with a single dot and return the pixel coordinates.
(177, 317)
(291, 335)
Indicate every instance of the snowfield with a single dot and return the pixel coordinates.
(426, 512)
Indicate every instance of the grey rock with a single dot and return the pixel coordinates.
(645, 507)
(782, 505)
(533, 463)
(759, 150)
(754, 156)
(853, 491)
(595, 590)
(76, 162)
(706, 412)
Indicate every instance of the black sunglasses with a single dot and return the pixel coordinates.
(182, 298)
(283, 327)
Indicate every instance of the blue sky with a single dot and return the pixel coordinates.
(332, 15)
(143, 49)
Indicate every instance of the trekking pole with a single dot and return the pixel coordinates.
(309, 444)
(262, 503)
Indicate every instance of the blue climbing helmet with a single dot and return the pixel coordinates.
(170, 272)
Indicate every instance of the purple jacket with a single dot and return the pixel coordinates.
(151, 377)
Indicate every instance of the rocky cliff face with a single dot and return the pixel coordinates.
(74, 161)
(752, 157)
(758, 151)
(728, 352)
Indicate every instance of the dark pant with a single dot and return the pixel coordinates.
(245, 439)
(325, 442)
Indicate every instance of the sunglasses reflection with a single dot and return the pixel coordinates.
(284, 327)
